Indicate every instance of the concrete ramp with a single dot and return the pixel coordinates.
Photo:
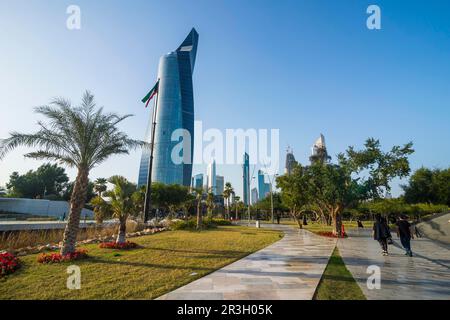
(437, 228)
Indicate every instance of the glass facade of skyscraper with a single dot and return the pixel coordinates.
(198, 181)
(175, 111)
(263, 187)
(246, 179)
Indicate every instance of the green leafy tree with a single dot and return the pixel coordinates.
(428, 186)
(169, 197)
(49, 180)
(79, 137)
(332, 188)
(296, 191)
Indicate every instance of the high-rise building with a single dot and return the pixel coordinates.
(246, 179)
(290, 161)
(212, 178)
(197, 181)
(175, 111)
(264, 188)
(254, 196)
(319, 151)
(220, 181)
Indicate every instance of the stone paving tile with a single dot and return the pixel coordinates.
(289, 269)
(422, 277)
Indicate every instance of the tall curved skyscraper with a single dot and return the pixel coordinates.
(175, 111)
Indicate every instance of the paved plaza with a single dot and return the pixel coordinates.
(292, 267)
(424, 276)
(289, 269)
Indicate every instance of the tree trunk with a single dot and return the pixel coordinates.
(199, 217)
(296, 219)
(121, 237)
(77, 201)
(337, 224)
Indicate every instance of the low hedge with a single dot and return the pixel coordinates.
(191, 224)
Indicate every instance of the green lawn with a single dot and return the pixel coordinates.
(337, 283)
(165, 262)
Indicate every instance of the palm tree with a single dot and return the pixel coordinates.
(227, 192)
(139, 199)
(236, 205)
(199, 199)
(210, 205)
(102, 209)
(100, 186)
(79, 137)
(122, 203)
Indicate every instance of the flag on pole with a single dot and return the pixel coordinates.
(151, 94)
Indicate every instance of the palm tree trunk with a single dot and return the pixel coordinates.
(77, 201)
(199, 216)
(121, 237)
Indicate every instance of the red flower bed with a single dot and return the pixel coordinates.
(329, 234)
(8, 263)
(115, 245)
(57, 257)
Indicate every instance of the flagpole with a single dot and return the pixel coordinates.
(148, 192)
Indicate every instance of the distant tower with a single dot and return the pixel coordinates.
(212, 181)
(220, 185)
(290, 161)
(319, 151)
(263, 187)
(254, 196)
(246, 179)
(198, 181)
(175, 111)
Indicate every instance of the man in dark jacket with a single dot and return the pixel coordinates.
(405, 234)
(381, 233)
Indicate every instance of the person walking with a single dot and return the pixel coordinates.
(278, 218)
(381, 233)
(360, 225)
(405, 234)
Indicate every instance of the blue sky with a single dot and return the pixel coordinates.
(305, 67)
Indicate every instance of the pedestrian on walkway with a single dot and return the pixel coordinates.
(405, 234)
(278, 218)
(381, 233)
(360, 225)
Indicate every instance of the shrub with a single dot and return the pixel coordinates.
(221, 222)
(121, 246)
(8, 264)
(57, 257)
(183, 224)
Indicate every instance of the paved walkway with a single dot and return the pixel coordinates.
(424, 276)
(289, 269)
